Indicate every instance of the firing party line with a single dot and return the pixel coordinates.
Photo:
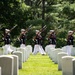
(37, 39)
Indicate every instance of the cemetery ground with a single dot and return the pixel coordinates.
(39, 65)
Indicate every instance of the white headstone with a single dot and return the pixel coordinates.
(23, 53)
(28, 51)
(59, 57)
(64, 49)
(47, 49)
(52, 54)
(67, 68)
(30, 48)
(73, 65)
(73, 51)
(13, 48)
(19, 54)
(15, 71)
(6, 63)
(0, 71)
(55, 55)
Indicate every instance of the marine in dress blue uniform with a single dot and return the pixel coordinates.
(22, 38)
(6, 38)
(38, 43)
(7, 42)
(70, 42)
(52, 39)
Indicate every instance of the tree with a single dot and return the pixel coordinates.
(52, 13)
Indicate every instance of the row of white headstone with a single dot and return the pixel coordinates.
(10, 64)
(65, 62)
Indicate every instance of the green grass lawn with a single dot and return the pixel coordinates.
(39, 65)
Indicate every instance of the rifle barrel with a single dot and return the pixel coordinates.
(13, 27)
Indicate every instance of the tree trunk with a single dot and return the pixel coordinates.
(43, 11)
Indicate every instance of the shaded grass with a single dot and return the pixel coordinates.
(39, 65)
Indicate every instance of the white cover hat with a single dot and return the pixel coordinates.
(7, 30)
(70, 31)
(51, 30)
(37, 31)
(22, 30)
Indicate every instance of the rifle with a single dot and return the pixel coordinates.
(28, 29)
(10, 30)
(40, 31)
(73, 31)
(25, 32)
(55, 30)
(13, 28)
(43, 29)
(1, 26)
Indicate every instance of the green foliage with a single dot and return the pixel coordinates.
(13, 12)
(27, 12)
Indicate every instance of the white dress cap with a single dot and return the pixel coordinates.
(51, 30)
(37, 31)
(7, 30)
(22, 30)
(70, 31)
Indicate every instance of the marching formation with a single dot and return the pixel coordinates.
(37, 39)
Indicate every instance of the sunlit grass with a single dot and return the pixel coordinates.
(39, 65)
